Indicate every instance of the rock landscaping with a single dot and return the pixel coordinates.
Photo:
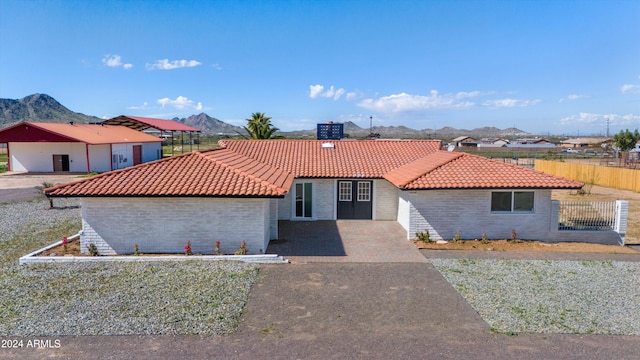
(542, 296)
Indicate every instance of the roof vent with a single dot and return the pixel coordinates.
(328, 145)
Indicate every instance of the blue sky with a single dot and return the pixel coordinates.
(558, 67)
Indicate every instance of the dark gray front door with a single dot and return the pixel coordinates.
(355, 199)
(60, 162)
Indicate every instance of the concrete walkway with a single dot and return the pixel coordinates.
(353, 241)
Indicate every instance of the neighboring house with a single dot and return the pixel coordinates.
(532, 141)
(47, 147)
(583, 142)
(241, 190)
(461, 141)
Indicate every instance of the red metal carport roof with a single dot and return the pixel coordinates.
(143, 123)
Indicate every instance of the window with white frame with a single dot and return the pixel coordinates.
(512, 201)
(364, 191)
(344, 188)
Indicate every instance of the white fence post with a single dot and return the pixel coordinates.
(622, 212)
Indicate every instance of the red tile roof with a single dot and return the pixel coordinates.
(475, 172)
(266, 168)
(213, 173)
(88, 133)
(142, 123)
(347, 158)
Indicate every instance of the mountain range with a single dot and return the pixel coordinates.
(44, 108)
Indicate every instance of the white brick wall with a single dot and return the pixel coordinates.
(166, 224)
(323, 200)
(385, 200)
(273, 219)
(446, 212)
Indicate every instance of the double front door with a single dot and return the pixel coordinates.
(355, 199)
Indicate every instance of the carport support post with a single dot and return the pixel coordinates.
(8, 158)
(86, 146)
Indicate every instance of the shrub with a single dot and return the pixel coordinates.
(93, 249)
(457, 236)
(187, 248)
(423, 236)
(483, 239)
(135, 250)
(242, 250)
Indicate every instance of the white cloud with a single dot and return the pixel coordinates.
(502, 103)
(180, 103)
(352, 95)
(407, 102)
(316, 91)
(115, 61)
(573, 97)
(630, 89)
(143, 107)
(165, 64)
(599, 119)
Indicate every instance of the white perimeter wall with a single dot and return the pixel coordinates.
(38, 157)
(165, 224)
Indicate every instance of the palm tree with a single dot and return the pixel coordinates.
(259, 127)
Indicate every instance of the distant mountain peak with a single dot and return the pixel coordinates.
(209, 125)
(38, 108)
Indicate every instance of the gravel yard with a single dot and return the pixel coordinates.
(167, 298)
(542, 296)
(107, 299)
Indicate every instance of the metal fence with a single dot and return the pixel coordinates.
(595, 216)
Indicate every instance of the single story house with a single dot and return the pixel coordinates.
(583, 142)
(241, 190)
(462, 141)
(48, 147)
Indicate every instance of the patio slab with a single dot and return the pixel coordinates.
(353, 241)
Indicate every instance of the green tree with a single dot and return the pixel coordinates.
(259, 126)
(626, 140)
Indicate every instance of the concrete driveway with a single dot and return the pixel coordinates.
(353, 241)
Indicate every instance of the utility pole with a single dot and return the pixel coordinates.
(608, 121)
(371, 125)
